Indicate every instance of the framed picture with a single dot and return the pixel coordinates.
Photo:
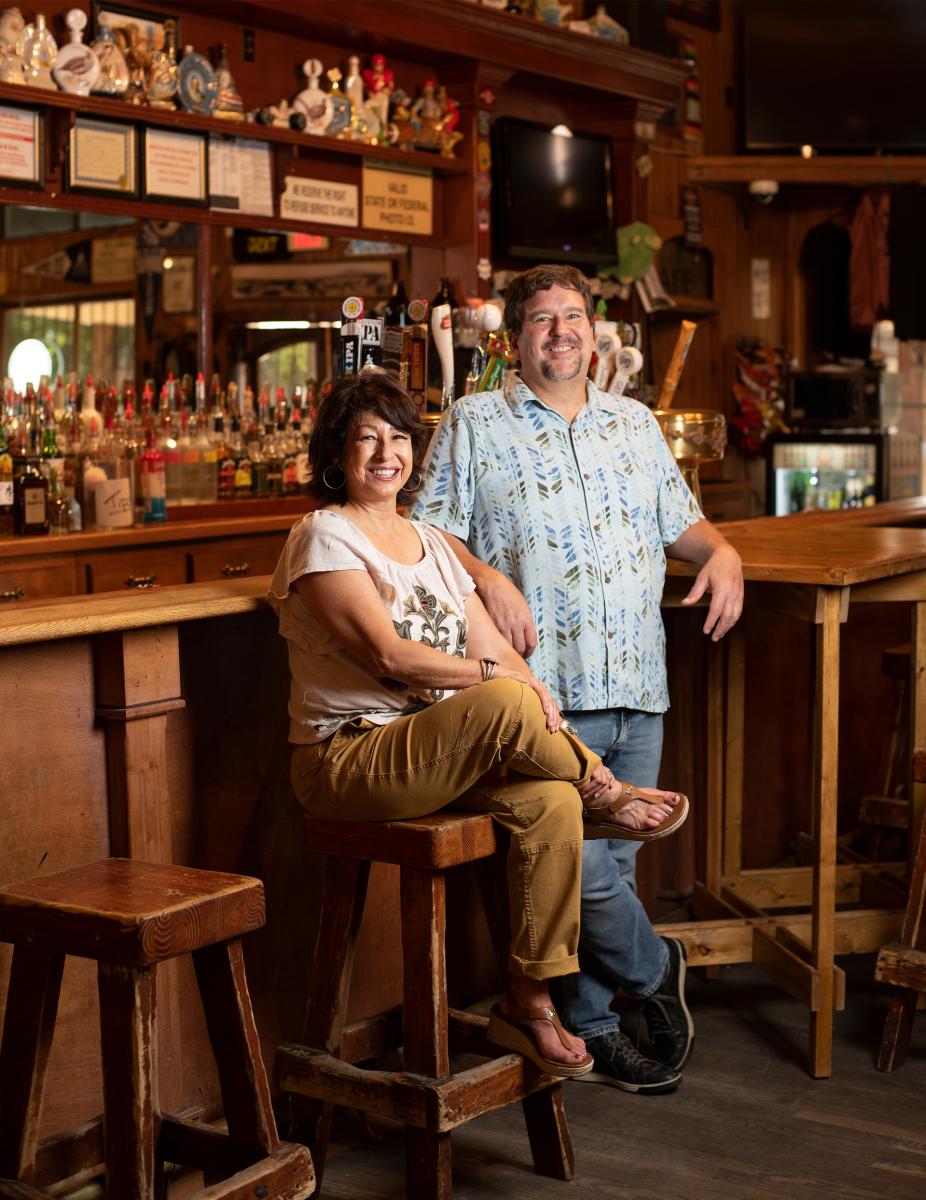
(118, 17)
(175, 166)
(22, 160)
(178, 285)
(102, 158)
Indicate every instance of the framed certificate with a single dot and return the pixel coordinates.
(21, 156)
(176, 166)
(102, 158)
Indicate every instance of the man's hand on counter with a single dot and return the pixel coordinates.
(721, 574)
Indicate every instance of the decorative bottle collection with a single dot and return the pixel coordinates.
(89, 456)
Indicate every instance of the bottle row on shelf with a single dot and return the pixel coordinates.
(68, 465)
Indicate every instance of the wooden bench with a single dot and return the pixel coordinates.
(427, 1096)
(130, 916)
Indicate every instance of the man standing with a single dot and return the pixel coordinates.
(571, 495)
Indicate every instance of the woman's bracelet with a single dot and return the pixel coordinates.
(488, 666)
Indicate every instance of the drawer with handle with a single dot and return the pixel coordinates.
(37, 579)
(237, 558)
(137, 569)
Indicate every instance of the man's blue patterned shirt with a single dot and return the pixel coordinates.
(577, 516)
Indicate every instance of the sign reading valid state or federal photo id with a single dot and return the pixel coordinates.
(400, 201)
(319, 200)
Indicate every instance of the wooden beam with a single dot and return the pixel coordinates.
(791, 887)
(902, 965)
(733, 751)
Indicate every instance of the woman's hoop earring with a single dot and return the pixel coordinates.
(333, 487)
(413, 487)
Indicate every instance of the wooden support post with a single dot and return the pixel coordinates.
(714, 807)
(733, 768)
(825, 763)
(424, 924)
(916, 789)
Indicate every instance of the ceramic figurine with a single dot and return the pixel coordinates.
(113, 79)
(315, 103)
(605, 27)
(380, 83)
(77, 68)
(197, 86)
(551, 12)
(353, 84)
(283, 115)
(228, 104)
(137, 52)
(11, 67)
(39, 52)
(341, 111)
(163, 72)
(12, 27)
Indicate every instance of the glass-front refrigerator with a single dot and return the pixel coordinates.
(839, 469)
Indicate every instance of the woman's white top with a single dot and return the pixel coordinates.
(425, 601)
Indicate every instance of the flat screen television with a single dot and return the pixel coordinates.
(839, 75)
(552, 195)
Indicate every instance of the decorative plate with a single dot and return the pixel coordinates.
(197, 85)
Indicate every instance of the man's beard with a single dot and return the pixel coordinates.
(551, 370)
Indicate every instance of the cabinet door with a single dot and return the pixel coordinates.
(140, 567)
(37, 578)
(234, 558)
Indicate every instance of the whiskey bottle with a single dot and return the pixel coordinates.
(30, 501)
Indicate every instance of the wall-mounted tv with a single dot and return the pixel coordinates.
(839, 76)
(552, 195)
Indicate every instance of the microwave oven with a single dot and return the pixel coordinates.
(835, 400)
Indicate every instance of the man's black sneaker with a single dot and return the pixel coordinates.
(668, 1021)
(619, 1063)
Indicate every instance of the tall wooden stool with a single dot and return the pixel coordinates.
(903, 963)
(429, 1098)
(129, 916)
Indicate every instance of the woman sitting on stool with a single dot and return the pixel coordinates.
(406, 698)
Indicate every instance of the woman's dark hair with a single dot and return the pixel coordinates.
(371, 391)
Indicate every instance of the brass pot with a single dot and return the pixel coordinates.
(693, 437)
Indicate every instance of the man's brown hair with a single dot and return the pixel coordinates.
(540, 279)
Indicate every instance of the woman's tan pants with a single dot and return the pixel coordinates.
(485, 749)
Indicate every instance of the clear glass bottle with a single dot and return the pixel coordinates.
(153, 481)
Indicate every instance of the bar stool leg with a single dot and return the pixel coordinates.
(128, 1034)
(548, 1132)
(343, 897)
(898, 1026)
(29, 1025)
(424, 926)
(236, 1048)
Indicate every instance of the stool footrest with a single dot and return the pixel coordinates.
(286, 1174)
(436, 1105)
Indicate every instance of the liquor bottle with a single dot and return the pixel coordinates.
(244, 482)
(59, 511)
(167, 444)
(225, 459)
(188, 445)
(52, 458)
(301, 453)
(6, 487)
(153, 482)
(274, 452)
(396, 311)
(445, 294)
(88, 409)
(30, 502)
(208, 463)
(290, 450)
(260, 487)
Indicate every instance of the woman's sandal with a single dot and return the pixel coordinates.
(598, 822)
(508, 1029)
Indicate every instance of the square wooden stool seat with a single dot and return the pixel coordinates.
(129, 916)
(427, 1096)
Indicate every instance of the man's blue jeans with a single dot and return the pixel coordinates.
(618, 947)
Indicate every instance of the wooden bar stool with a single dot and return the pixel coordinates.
(427, 1096)
(903, 963)
(129, 916)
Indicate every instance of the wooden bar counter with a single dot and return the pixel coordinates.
(811, 568)
(153, 723)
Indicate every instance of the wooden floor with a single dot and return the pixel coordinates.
(747, 1124)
